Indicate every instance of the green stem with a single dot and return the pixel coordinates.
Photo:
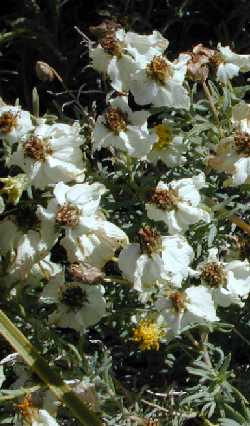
(48, 375)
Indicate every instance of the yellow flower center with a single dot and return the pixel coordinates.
(159, 70)
(165, 136)
(214, 275)
(68, 215)
(147, 334)
(216, 59)
(27, 409)
(37, 149)
(13, 187)
(165, 199)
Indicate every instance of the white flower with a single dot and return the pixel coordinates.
(51, 154)
(88, 236)
(25, 248)
(43, 270)
(160, 83)
(123, 129)
(233, 152)
(229, 64)
(168, 148)
(119, 54)
(229, 282)
(78, 306)
(156, 260)
(177, 204)
(145, 47)
(181, 308)
(14, 123)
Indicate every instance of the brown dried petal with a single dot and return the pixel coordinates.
(85, 273)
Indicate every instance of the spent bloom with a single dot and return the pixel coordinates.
(229, 282)
(123, 129)
(170, 149)
(155, 260)
(177, 204)
(14, 123)
(182, 308)
(50, 154)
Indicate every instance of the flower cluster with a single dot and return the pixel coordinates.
(148, 201)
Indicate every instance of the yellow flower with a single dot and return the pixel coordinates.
(147, 334)
(165, 136)
(14, 187)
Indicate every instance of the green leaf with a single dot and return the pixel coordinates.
(47, 374)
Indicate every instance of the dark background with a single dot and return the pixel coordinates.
(43, 30)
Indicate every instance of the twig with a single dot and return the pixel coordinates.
(152, 404)
(240, 223)
(211, 102)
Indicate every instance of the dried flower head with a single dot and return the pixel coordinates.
(242, 143)
(178, 300)
(85, 273)
(149, 239)
(8, 121)
(106, 27)
(213, 274)
(111, 45)
(116, 120)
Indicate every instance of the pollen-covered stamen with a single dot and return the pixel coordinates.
(111, 45)
(165, 136)
(165, 199)
(216, 59)
(149, 239)
(8, 121)
(37, 149)
(73, 296)
(213, 274)
(116, 120)
(159, 69)
(242, 143)
(147, 334)
(178, 300)
(27, 409)
(68, 215)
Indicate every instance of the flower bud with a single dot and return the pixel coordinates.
(13, 187)
(45, 72)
